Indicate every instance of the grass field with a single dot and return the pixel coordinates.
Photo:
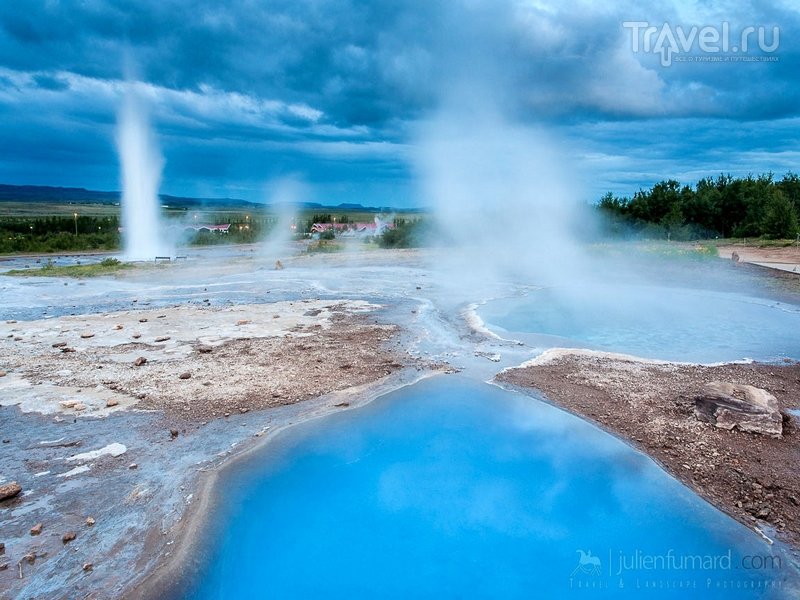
(57, 227)
(108, 266)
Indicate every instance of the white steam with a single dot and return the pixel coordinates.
(141, 163)
(501, 197)
(284, 197)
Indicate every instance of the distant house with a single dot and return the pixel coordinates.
(210, 228)
(321, 227)
(352, 228)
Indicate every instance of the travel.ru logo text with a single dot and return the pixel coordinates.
(704, 44)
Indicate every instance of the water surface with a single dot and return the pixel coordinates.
(652, 322)
(456, 489)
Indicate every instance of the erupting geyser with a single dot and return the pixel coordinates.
(141, 175)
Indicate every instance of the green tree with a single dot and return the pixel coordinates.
(780, 216)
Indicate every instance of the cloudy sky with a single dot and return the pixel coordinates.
(333, 93)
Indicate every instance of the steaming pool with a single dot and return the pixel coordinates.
(454, 488)
(651, 322)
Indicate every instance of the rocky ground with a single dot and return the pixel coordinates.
(90, 405)
(193, 363)
(754, 478)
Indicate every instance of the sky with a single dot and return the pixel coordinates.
(246, 95)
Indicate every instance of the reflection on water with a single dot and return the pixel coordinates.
(457, 489)
(654, 322)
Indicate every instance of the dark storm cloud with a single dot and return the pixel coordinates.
(245, 91)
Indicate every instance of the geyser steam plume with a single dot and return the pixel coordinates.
(501, 196)
(141, 163)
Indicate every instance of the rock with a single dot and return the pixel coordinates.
(186, 375)
(747, 408)
(142, 320)
(173, 433)
(118, 326)
(204, 349)
(68, 403)
(68, 537)
(9, 490)
(36, 529)
(133, 466)
(3, 373)
(90, 521)
(140, 361)
(29, 558)
(67, 349)
(87, 335)
(59, 344)
(79, 406)
(278, 265)
(162, 338)
(136, 336)
(242, 321)
(111, 402)
(3, 566)
(88, 566)
(2, 548)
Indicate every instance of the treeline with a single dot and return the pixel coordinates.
(58, 234)
(715, 207)
(406, 234)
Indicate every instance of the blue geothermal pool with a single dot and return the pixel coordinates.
(453, 488)
(652, 322)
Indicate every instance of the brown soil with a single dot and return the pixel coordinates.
(255, 374)
(769, 254)
(751, 477)
(238, 375)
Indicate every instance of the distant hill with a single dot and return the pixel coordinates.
(65, 195)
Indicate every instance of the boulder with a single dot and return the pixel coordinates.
(744, 407)
(140, 361)
(9, 490)
(36, 529)
(68, 537)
